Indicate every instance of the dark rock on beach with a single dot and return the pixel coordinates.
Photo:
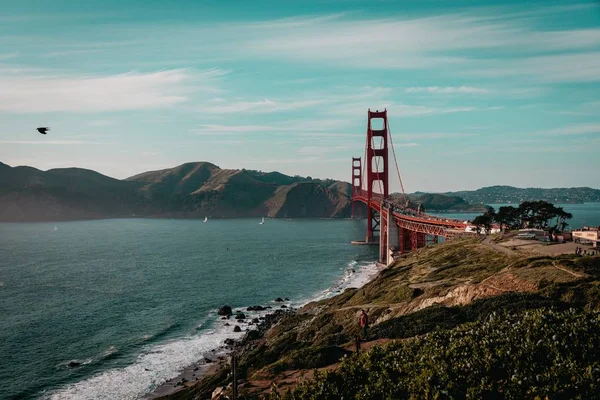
(240, 315)
(225, 310)
(237, 328)
(255, 308)
(252, 335)
(283, 306)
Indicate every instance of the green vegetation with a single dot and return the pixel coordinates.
(439, 202)
(533, 354)
(533, 214)
(437, 302)
(513, 195)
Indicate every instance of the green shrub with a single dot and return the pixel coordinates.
(527, 354)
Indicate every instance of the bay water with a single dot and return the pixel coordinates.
(130, 302)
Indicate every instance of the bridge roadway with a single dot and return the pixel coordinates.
(409, 218)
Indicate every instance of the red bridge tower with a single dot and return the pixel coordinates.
(377, 167)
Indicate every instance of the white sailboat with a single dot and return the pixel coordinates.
(263, 221)
(55, 228)
(205, 219)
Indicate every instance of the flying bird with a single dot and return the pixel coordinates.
(43, 130)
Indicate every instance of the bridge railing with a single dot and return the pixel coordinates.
(404, 210)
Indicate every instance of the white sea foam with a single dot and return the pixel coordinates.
(156, 365)
(160, 363)
(355, 275)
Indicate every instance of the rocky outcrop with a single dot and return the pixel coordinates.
(225, 311)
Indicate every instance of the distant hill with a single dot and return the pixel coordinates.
(189, 190)
(432, 202)
(513, 195)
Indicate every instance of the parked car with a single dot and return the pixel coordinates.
(525, 236)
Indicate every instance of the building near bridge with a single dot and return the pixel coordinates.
(587, 235)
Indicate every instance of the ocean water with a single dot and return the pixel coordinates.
(583, 214)
(133, 301)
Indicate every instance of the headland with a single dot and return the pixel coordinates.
(439, 290)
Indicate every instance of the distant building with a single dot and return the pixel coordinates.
(587, 235)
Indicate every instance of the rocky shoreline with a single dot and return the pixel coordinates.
(216, 363)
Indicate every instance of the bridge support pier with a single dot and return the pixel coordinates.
(373, 224)
(389, 238)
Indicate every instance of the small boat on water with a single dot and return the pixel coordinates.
(263, 221)
(205, 219)
(55, 228)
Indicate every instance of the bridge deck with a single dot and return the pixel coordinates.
(408, 214)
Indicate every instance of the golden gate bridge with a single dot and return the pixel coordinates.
(398, 227)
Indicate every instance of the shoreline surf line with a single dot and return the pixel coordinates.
(160, 366)
(356, 279)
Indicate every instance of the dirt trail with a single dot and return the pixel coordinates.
(575, 274)
(497, 247)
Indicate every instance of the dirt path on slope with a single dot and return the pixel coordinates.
(568, 271)
(488, 242)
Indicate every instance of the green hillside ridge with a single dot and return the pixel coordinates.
(513, 195)
(441, 202)
(190, 190)
(441, 292)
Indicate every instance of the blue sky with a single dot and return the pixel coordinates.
(478, 93)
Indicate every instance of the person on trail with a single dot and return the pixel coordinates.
(364, 323)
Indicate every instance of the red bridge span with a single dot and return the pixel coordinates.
(391, 221)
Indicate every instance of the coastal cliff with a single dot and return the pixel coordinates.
(454, 287)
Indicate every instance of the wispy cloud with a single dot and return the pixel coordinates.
(130, 91)
(259, 106)
(575, 129)
(101, 122)
(571, 67)
(320, 150)
(394, 109)
(410, 144)
(447, 90)
(408, 43)
(7, 56)
(439, 135)
(53, 142)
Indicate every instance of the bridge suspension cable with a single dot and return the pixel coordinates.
(396, 162)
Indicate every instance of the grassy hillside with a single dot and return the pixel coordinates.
(191, 190)
(434, 291)
(28, 194)
(442, 202)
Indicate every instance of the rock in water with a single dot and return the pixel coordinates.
(237, 329)
(225, 310)
(255, 308)
(240, 315)
(279, 299)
